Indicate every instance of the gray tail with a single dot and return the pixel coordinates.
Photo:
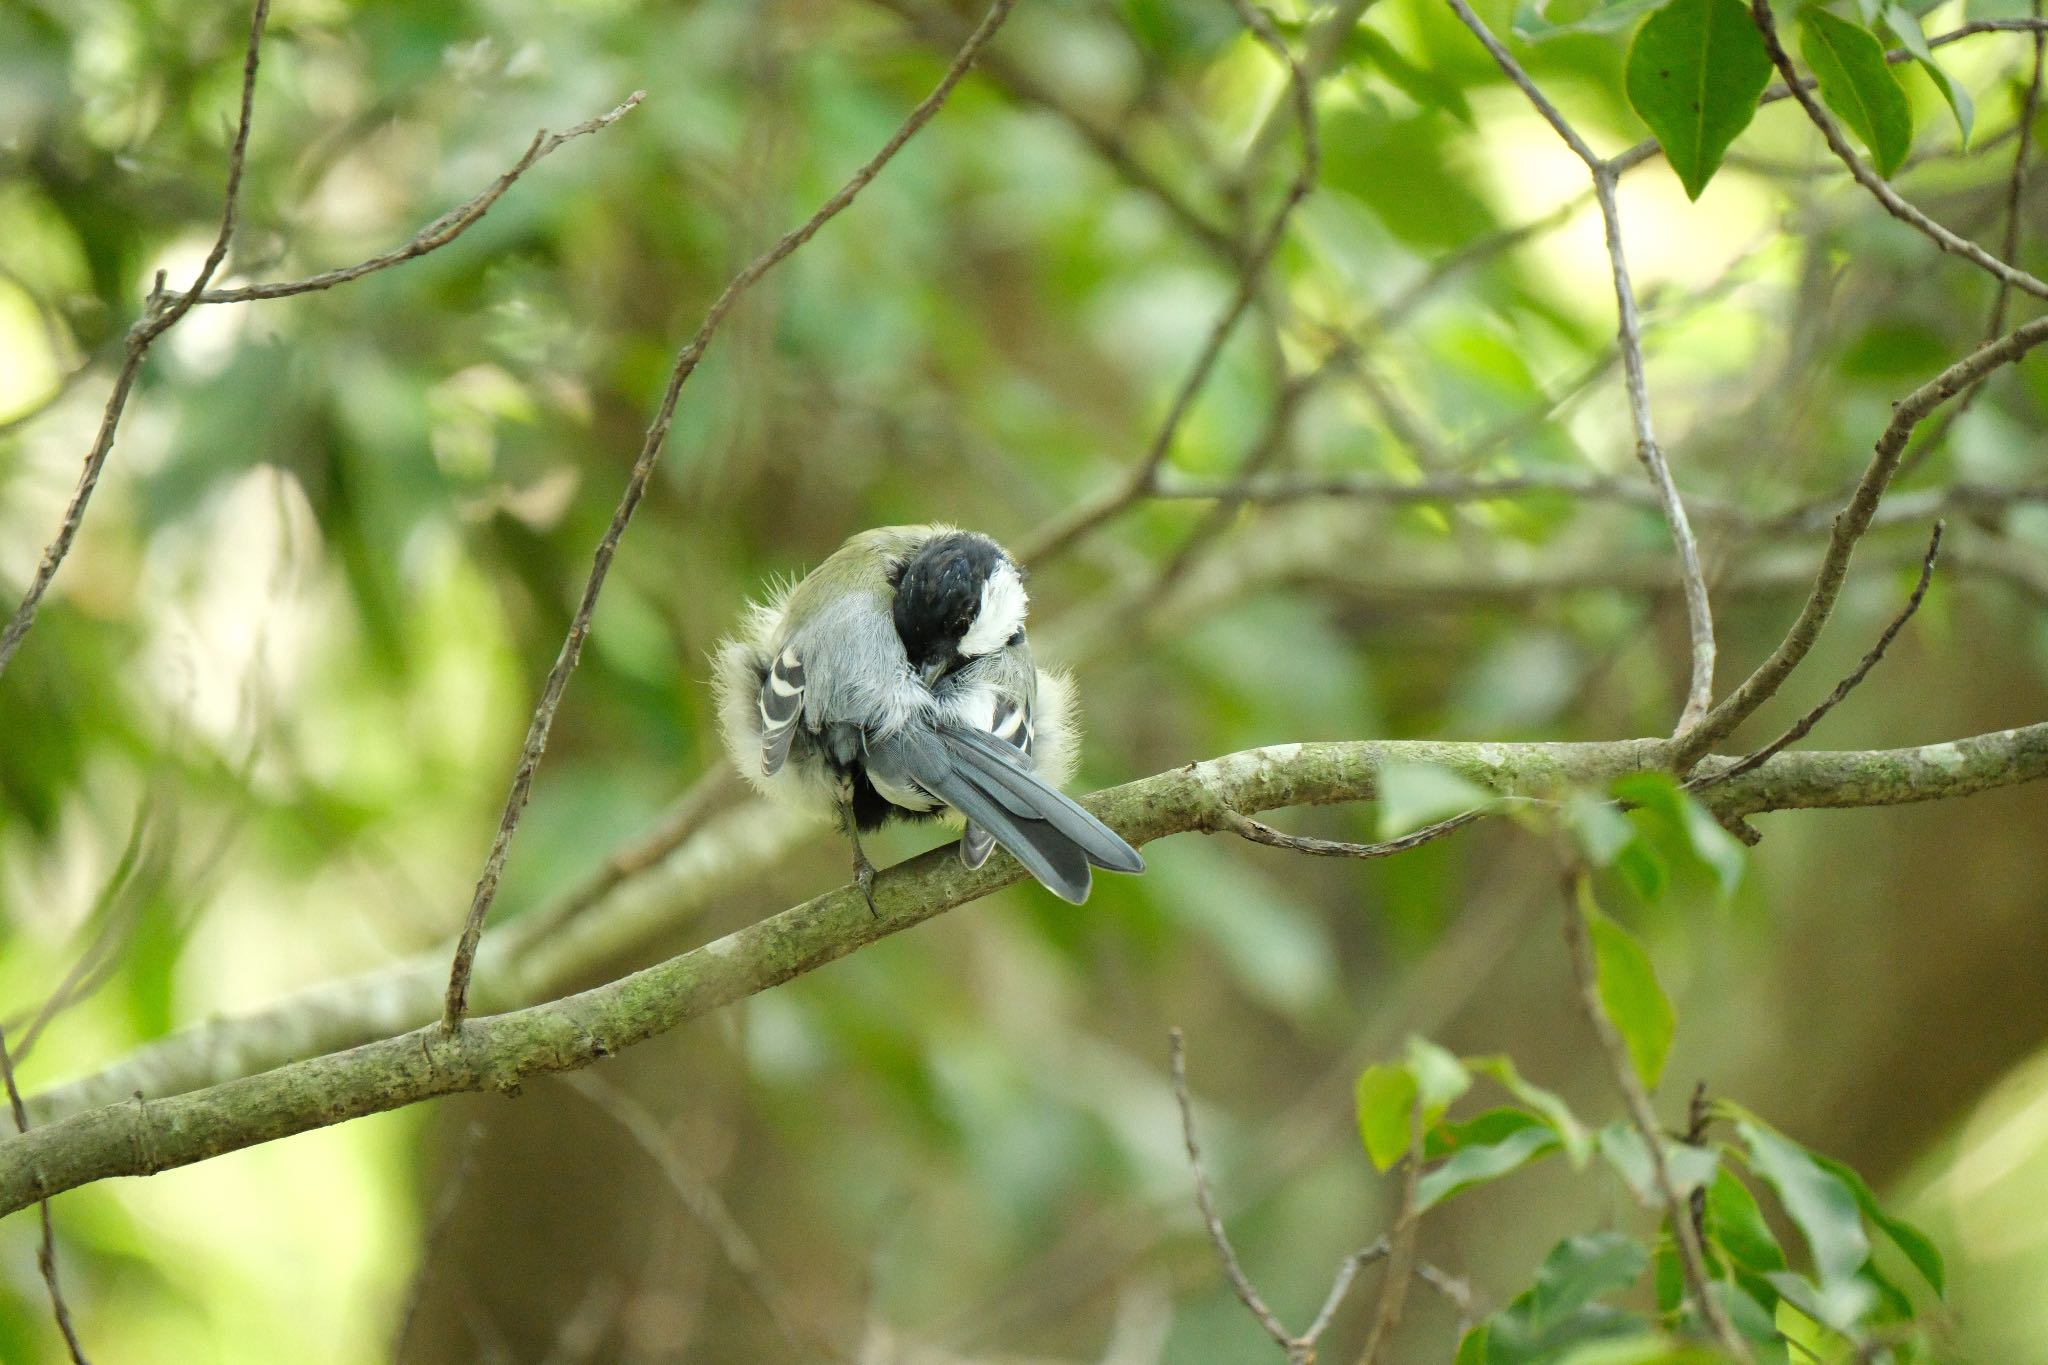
(979, 776)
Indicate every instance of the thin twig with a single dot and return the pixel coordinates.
(1698, 609)
(1205, 1200)
(1401, 1258)
(1260, 833)
(1804, 725)
(160, 312)
(1691, 1259)
(1894, 203)
(2016, 183)
(1087, 516)
(702, 1202)
(1848, 528)
(1347, 1271)
(46, 1254)
(456, 1003)
(438, 233)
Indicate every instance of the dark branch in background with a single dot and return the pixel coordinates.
(160, 312)
(46, 1254)
(1804, 725)
(1698, 610)
(1677, 1212)
(438, 233)
(2016, 183)
(456, 1003)
(496, 1052)
(1301, 1350)
(1849, 526)
(438, 1223)
(1144, 476)
(702, 1202)
(1894, 203)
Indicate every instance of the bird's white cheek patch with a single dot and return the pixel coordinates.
(1001, 616)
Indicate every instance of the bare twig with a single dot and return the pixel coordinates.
(2016, 183)
(939, 25)
(1804, 725)
(1894, 203)
(160, 312)
(1849, 526)
(438, 233)
(1260, 833)
(1205, 1200)
(1691, 1259)
(456, 1002)
(1401, 1257)
(46, 1254)
(1087, 516)
(702, 1202)
(1699, 612)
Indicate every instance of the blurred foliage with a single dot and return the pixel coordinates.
(261, 731)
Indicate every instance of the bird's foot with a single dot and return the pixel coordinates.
(864, 878)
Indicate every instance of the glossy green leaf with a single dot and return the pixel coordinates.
(1913, 38)
(1581, 1269)
(1629, 991)
(1479, 1163)
(1736, 1225)
(1694, 73)
(1857, 84)
(1623, 1148)
(1915, 1244)
(1819, 1202)
(1658, 794)
(1578, 1143)
(1538, 20)
(1412, 795)
(1439, 1077)
(1386, 1103)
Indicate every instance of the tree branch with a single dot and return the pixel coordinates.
(455, 1002)
(160, 312)
(1698, 610)
(496, 1052)
(1894, 203)
(1849, 526)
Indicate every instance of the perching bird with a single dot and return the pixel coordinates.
(895, 680)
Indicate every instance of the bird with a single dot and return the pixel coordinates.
(895, 680)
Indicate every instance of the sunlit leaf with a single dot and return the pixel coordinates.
(1917, 1246)
(1477, 1164)
(1629, 991)
(1412, 795)
(1857, 84)
(1694, 73)
(1623, 1148)
(1578, 1143)
(1825, 1210)
(1913, 38)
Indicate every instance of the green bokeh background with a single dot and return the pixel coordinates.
(289, 662)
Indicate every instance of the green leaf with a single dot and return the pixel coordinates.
(1479, 1163)
(1659, 795)
(1578, 1144)
(1579, 1270)
(1917, 1246)
(1913, 38)
(1623, 1148)
(1473, 1349)
(1823, 1206)
(1737, 1226)
(1856, 83)
(1367, 48)
(1386, 1102)
(1535, 21)
(1598, 827)
(1629, 991)
(1439, 1077)
(1694, 73)
(1412, 795)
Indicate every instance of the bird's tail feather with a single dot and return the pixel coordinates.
(1045, 830)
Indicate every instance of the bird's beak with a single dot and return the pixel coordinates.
(931, 672)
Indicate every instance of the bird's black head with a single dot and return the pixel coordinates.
(957, 598)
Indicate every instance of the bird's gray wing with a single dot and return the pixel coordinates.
(782, 701)
(1024, 793)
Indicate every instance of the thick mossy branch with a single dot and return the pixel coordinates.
(142, 1136)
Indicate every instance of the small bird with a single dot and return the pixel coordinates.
(895, 680)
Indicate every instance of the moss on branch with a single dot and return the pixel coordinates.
(143, 1135)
